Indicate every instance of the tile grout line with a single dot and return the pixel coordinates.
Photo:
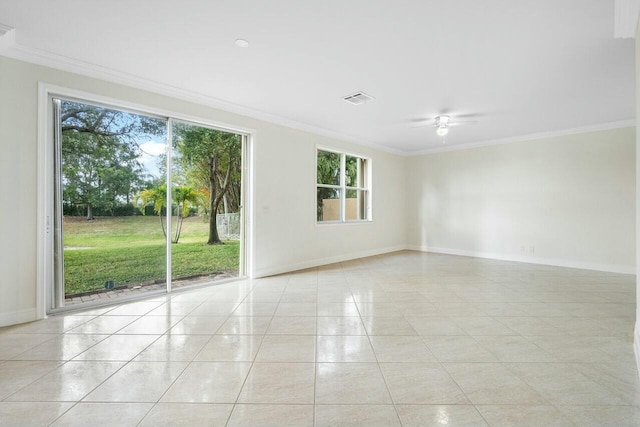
(189, 363)
(107, 378)
(315, 353)
(375, 355)
(441, 364)
(235, 404)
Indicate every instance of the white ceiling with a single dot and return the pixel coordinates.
(522, 67)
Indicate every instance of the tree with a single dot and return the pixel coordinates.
(211, 161)
(328, 172)
(157, 197)
(100, 167)
(184, 197)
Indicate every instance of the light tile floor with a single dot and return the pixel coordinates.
(407, 339)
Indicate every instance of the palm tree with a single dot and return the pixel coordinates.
(184, 197)
(157, 196)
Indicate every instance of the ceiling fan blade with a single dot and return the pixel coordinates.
(424, 125)
(463, 122)
(427, 120)
(466, 116)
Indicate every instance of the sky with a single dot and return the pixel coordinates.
(150, 152)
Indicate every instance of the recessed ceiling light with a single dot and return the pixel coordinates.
(242, 43)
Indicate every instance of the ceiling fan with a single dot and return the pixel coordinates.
(443, 122)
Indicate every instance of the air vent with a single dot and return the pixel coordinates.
(358, 98)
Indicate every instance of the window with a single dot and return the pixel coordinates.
(342, 187)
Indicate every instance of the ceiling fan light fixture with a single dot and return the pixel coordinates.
(442, 120)
(442, 130)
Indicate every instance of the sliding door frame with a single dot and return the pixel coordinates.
(46, 181)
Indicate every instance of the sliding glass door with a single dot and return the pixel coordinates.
(140, 201)
(206, 180)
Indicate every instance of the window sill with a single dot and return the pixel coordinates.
(342, 223)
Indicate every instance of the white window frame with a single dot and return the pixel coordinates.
(343, 188)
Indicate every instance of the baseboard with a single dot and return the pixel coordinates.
(19, 316)
(622, 269)
(272, 271)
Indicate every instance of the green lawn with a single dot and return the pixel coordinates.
(130, 250)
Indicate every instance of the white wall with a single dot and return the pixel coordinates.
(286, 236)
(572, 198)
(567, 200)
(636, 340)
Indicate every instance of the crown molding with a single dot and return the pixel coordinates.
(626, 14)
(9, 48)
(4, 29)
(60, 62)
(528, 137)
(7, 37)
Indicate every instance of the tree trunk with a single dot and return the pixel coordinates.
(179, 220)
(214, 238)
(216, 195)
(164, 233)
(89, 212)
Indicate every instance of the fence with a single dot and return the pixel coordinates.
(228, 226)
